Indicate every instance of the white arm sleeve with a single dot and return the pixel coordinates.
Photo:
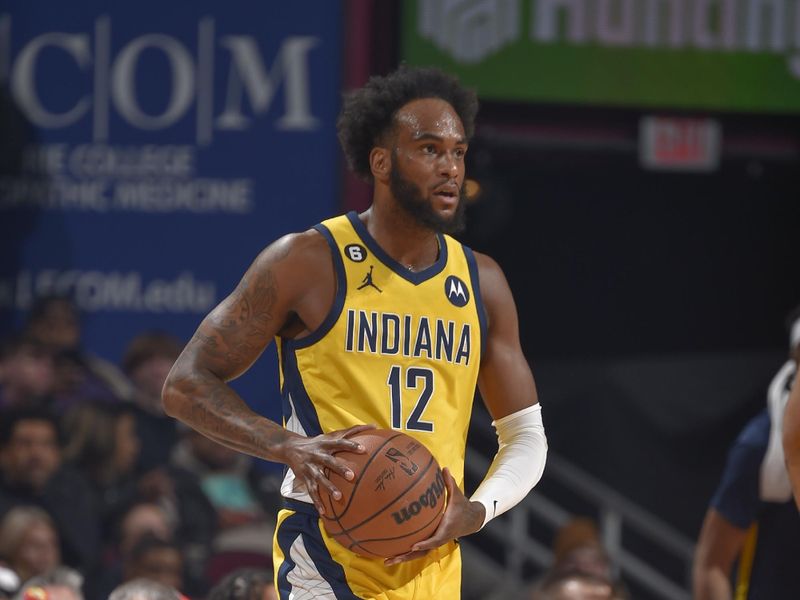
(518, 464)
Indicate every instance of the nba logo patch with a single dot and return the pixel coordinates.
(456, 291)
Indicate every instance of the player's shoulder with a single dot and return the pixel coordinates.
(755, 434)
(297, 247)
(299, 260)
(484, 261)
(489, 271)
(747, 452)
(494, 290)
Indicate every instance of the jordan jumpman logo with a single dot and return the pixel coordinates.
(367, 281)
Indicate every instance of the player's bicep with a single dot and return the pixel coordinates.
(235, 333)
(506, 382)
(505, 379)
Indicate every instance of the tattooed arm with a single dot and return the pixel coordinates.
(288, 289)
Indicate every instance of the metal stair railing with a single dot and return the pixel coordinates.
(615, 514)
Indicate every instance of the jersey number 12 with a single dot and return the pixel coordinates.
(413, 377)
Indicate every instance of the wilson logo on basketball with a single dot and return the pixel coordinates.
(428, 499)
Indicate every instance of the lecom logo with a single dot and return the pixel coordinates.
(469, 30)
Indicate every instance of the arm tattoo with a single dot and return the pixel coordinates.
(218, 412)
(242, 322)
(227, 343)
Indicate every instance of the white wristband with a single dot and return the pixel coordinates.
(518, 464)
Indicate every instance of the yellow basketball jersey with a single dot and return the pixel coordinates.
(399, 349)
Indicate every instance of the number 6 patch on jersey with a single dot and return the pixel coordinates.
(355, 252)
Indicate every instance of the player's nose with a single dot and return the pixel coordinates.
(448, 166)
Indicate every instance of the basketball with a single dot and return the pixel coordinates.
(395, 500)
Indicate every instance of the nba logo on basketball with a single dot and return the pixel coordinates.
(401, 459)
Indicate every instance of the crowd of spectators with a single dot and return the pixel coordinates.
(103, 495)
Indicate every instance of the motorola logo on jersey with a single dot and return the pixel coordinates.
(456, 291)
(356, 252)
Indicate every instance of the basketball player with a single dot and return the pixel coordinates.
(752, 522)
(791, 420)
(380, 318)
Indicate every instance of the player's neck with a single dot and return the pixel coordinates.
(401, 237)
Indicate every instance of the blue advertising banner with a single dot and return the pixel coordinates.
(150, 150)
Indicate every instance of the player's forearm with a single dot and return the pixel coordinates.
(207, 404)
(791, 449)
(518, 464)
(712, 584)
(791, 438)
(794, 476)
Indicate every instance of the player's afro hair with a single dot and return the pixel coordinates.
(368, 113)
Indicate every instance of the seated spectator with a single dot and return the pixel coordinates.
(60, 583)
(53, 322)
(245, 584)
(27, 373)
(147, 361)
(144, 589)
(31, 473)
(170, 504)
(29, 543)
(578, 547)
(156, 560)
(162, 521)
(102, 444)
(244, 497)
(580, 561)
(139, 521)
(575, 586)
(178, 493)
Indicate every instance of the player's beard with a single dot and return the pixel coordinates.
(414, 204)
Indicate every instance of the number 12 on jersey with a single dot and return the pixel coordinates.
(414, 376)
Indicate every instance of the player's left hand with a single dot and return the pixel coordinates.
(461, 517)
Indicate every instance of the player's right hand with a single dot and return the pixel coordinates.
(461, 518)
(308, 457)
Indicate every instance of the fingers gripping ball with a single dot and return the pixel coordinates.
(395, 500)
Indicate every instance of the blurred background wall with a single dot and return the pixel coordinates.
(150, 151)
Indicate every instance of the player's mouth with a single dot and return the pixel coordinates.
(447, 195)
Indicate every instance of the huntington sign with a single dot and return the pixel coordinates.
(714, 54)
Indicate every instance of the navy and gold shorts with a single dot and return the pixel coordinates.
(311, 565)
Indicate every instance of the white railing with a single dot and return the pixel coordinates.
(615, 514)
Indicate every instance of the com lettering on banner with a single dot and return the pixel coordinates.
(153, 150)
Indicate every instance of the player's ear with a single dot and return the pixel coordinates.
(380, 163)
